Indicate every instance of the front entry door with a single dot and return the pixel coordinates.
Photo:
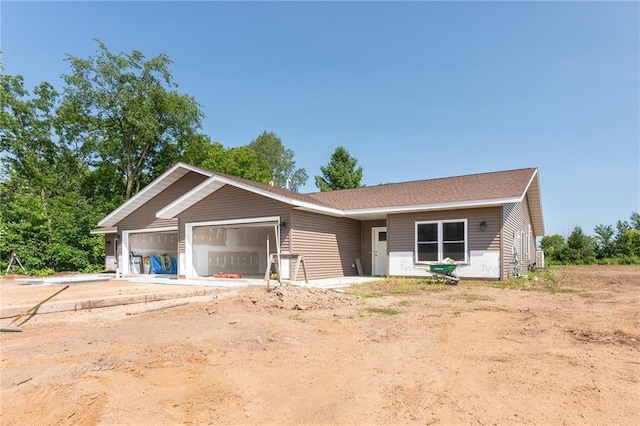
(379, 252)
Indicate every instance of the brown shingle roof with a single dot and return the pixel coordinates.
(456, 189)
(468, 188)
(483, 189)
(276, 190)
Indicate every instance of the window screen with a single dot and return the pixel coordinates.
(427, 240)
(436, 241)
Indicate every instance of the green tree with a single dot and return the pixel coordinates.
(29, 153)
(628, 243)
(269, 148)
(605, 244)
(627, 239)
(237, 161)
(44, 218)
(340, 172)
(198, 150)
(124, 109)
(554, 247)
(635, 220)
(580, 247)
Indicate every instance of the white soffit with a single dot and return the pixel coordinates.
(535, 206)
(148, 192)
(380, 212)
(111, 230)
(201, 191)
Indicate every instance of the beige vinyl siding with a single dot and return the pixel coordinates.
(516, 219)
(329, 244)
(109, 242)
(145, 216)
(366, 241)
(401, 227)
(229, 203)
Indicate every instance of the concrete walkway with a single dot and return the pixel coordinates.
(17, 298)
(98, 291)
(326, 283)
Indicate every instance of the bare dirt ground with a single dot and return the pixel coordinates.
(465, 354)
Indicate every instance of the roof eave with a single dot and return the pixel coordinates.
(110, 230)
(535, 204)
(383, 211)
(148, 192)
(216, 182)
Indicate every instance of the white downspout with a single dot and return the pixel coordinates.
(277, 228)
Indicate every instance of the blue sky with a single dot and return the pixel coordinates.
(413, 90)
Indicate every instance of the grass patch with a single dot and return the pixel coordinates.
(404, 303)
(364, 294)
(538, 280)
(474, 298)
(395, 286)
(468, 297)
(384, 311)
(299, 318)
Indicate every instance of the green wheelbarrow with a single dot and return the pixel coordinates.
(444, 271)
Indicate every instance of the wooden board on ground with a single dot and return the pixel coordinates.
(359, 267)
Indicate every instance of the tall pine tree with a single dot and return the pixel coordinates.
(340, 173)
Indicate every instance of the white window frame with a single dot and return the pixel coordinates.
(440, 242)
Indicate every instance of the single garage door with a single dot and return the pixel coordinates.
(153, 252)
(233, 249)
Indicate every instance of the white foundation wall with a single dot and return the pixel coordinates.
(482, 264)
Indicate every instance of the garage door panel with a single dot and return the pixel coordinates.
(143, 245)
(232, 249)
(235, 262)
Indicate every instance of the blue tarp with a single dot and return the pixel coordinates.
(163, 265)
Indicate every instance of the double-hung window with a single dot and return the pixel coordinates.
(437, 240)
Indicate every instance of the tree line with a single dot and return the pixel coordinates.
(609, 245)
(70, 157)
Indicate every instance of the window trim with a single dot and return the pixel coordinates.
(440, 242)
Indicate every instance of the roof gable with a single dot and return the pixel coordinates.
(148, 192)
(218, 180)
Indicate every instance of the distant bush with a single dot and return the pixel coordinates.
(624, 260)
(619, 245)
(42, 272)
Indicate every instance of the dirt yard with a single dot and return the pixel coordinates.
(443, 355)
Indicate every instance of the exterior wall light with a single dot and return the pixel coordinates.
(483, 225)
